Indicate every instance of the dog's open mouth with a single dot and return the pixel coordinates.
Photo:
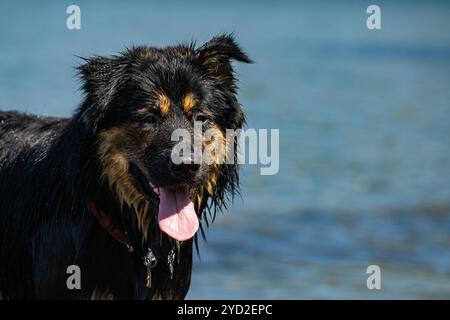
(176, 213)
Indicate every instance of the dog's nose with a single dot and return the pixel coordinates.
(187, 166)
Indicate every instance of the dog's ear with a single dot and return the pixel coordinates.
(99, 76)
(222, 47)
(216, 54)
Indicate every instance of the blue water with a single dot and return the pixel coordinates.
(364, 134)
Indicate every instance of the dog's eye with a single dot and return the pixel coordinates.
(150, 118)
(201, 118)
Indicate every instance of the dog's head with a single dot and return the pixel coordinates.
(149, 109)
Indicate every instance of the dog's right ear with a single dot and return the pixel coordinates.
(99, 76)
(100, 80)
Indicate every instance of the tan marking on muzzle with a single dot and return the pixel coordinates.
(215, 145)
(115, 167)
(215, 148)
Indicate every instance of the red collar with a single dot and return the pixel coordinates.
(109, 227)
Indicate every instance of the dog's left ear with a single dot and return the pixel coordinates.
(222, 47)
(216, 54)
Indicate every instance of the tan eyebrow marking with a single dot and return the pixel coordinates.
(164, 104)
(188, 102)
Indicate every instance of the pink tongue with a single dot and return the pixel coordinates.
(176, 214)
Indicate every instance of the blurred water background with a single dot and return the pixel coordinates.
(364, 133)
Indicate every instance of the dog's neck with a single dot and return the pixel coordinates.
(162, 267)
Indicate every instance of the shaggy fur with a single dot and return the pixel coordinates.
(108, 154)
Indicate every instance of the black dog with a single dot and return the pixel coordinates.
(99, 190)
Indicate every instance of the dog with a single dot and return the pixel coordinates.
(92, 206)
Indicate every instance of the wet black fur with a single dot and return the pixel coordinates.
(50, 172)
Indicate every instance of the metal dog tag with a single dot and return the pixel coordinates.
(170, 261)
(149, 262)
(178, 243)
